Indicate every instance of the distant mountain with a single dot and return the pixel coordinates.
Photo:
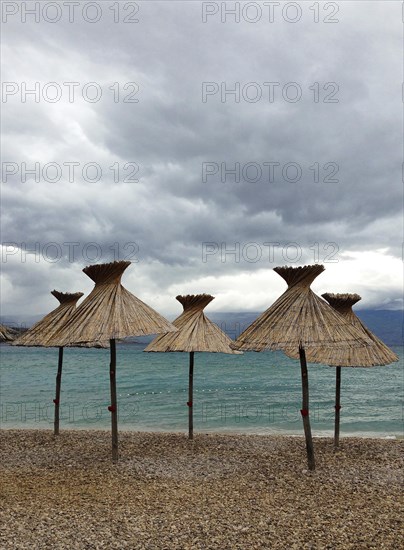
(388, 325)
(20, 321)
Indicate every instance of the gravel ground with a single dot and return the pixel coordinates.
(218, 492)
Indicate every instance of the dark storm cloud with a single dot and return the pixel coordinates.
(170, 133)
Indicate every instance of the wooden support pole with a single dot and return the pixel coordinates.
(305, 409)
(190, 396)
(114, 406)
(57, 396)
(337, 407)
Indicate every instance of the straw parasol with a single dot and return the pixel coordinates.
(378, 354)
(195, 333)
(298, 321)
(41, 333)
(107, 313)
(5, 334)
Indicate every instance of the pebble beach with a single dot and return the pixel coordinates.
(215, 492)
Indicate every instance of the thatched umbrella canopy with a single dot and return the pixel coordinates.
(42, 332)
(297, 321)
(195, 333)
(107, 313)
(5, 334)
(378, 354)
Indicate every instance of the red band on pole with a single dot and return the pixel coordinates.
(112, 408)
(189, 403)
(56, 401)
(337, 407)
(304, 412)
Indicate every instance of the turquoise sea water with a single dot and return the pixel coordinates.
(252, 393)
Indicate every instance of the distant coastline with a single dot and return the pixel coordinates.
(387, 324)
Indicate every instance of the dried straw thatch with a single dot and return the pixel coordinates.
(5, 334)
(298, 321)
(379, 354)
(41, 333)
(109, 312)
(195, 333)
(301, 318)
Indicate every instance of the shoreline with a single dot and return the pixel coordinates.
(329, 434)
(217, 491)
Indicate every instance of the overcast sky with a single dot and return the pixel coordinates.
(313, 130)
